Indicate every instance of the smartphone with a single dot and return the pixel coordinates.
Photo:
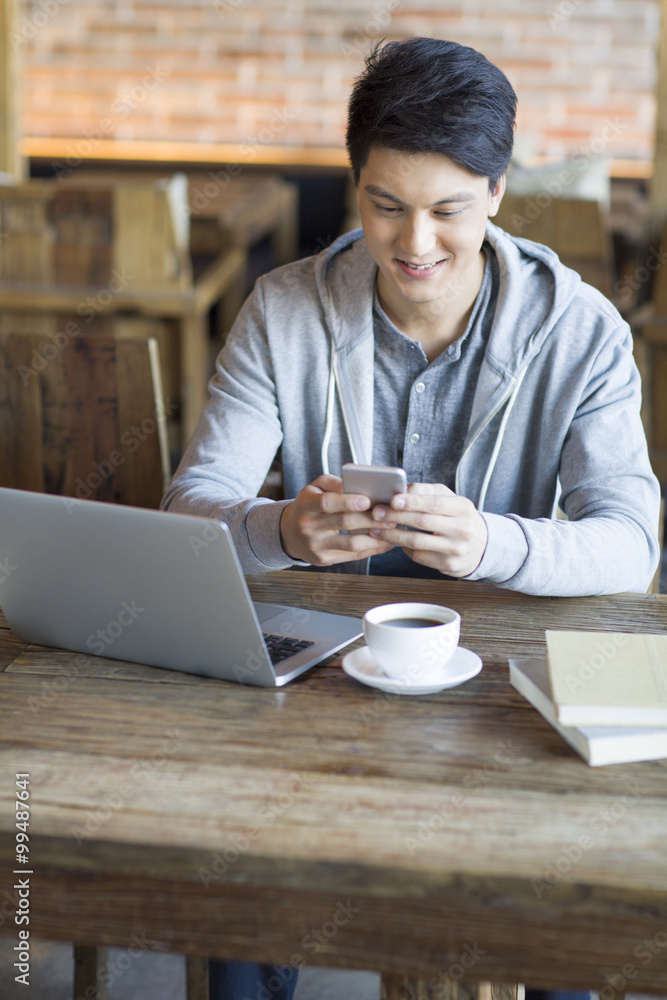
(378, 482)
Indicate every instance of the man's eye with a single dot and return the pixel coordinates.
(388, 209)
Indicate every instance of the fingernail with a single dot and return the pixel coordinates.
(398, 503)
(379, 514)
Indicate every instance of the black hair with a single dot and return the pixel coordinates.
(427, 95)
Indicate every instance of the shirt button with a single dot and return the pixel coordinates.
(420, 387)
(414, 438)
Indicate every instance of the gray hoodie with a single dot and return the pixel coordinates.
(555, 420)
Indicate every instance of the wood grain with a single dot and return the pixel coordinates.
(100, 248)
(85, 419)
(327, 823)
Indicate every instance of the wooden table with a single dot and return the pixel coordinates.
(233, 209)
(327, 823)
(236, 208)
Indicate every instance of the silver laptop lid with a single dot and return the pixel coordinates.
(128, 583)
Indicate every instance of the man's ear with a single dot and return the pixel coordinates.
(496, 196)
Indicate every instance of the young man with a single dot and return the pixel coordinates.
(433, 341)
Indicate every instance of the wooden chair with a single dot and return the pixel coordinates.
(577, 229)
(83, 417)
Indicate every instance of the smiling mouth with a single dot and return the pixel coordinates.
(419, 267)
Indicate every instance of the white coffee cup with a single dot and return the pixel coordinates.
(412, 642)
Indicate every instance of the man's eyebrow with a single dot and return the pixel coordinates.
(458, 196)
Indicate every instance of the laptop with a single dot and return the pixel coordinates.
(150, 587)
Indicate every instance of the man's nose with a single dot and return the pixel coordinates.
(418, 236)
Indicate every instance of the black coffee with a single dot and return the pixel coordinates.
(413, 622)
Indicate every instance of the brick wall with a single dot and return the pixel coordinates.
(279, 71)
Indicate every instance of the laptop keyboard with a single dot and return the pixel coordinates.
(282, 646)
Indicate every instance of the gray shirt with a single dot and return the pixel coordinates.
(421, 410)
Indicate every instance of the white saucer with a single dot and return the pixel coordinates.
(360, 664)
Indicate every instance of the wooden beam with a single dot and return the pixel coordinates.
(658, 186)
(73, 150)
(11, 160)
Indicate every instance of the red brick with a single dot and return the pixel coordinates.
(233, 63)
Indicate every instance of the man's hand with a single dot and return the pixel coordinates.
(458, 533)
(310, 526)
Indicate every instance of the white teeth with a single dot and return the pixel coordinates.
(421, 267)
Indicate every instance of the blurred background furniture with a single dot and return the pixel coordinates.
(84, 418)
(114, 259)
(240, 210)
(649, 328)
(229, 208)
(576, 229)
(566, 206)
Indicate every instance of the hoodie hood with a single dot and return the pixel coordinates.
(525, 319)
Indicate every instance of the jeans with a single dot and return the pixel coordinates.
(556, 995)
(251, 981)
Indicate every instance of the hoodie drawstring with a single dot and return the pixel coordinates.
(331, 393)
(331, 396)
(499, 440)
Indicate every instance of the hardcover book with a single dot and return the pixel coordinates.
(608, 678)
(597, 745)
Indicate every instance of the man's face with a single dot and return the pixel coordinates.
(424, 219)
